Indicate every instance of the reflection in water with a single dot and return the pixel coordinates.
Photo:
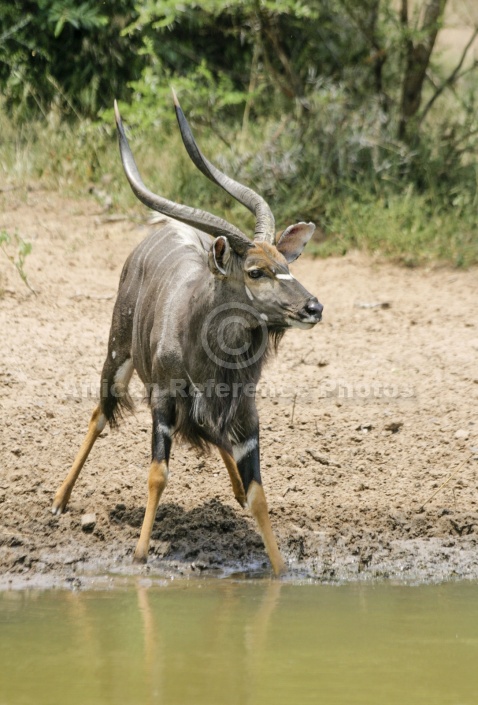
(255, 637)
(153, 662)
(241, 654)
(244, 642)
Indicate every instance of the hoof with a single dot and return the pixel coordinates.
(139, 559)
(279, 567)
(242, 500)
(61, 500)
(58, 508)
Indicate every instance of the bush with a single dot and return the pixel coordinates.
(322, 107)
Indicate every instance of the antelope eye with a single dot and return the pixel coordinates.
(255, 273)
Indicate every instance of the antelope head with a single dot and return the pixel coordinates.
(257, 270)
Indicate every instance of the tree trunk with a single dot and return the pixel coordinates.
(417, 59)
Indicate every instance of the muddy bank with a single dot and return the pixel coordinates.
(362, 419)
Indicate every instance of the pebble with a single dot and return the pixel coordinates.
(364, 427)
(462, 434)
(372, 304)
(88, 522)
(394, 426)
(322, 459)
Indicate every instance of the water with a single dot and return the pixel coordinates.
(251, 643)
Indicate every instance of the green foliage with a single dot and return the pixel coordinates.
(16, 250)
(407, 228)
(83, 16)
(210, 96)
(321, 106)
(405, 224)
(64, 55)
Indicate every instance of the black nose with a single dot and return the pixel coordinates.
(314, 308)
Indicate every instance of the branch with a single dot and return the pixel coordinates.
(404, 13)
(417, 59)
(8, 33)
(367, 31)
(271, 31)
(368, 28)
(252, 84)
(281, 82)
(452, 77)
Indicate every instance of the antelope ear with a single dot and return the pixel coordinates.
(220, 256)
(293, 240)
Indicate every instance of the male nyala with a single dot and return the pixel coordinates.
(200, 305)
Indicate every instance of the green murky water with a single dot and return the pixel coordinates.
(250, 643)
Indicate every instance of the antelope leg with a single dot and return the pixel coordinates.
(95, 427)
(157, 480)
(257, 503)
(236, 482)
(244, 470)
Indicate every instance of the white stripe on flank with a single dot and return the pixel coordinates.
(288, 277)
(142, 295)
(140, 260)
(169, 310)
(243, 449)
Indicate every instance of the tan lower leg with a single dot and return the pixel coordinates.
(257, 503)
(158, 477)
(96, 426)
(236, 482)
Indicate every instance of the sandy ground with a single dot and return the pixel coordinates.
(362, 419)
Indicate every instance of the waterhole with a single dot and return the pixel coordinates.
(237, 641)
